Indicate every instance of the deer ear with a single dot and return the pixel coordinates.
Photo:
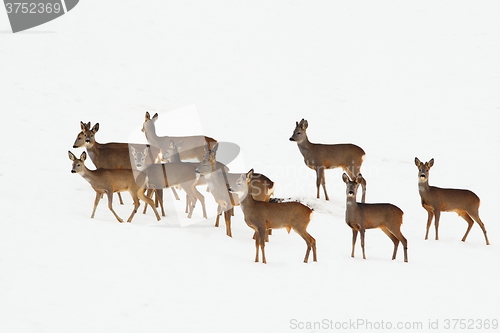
(359, 178)
(155, 116)
(179, 144)
(83, 156)
(71, 156)
(250, 174)
(417, 162)
(171, 144)
(345, 178)
(95, 128)
(306, 124)
(431, 162)
(147, 117)
(296, 124)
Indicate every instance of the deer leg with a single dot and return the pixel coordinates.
(96, 202)
(262, 235)
(362, 237)
(320, 180)
(469, 220)
(159, 196)
(120, 198)
(437, 215)
(150, 195)
(174, 192)
(227, 218)
(430, 215)
(202, 201)
(110, 205)
(394, 239)
(136, 206)
(257, 245)
(354, 236)
(475, 216)
(148, 201)
(311, 244)
(219, 213)
(397, 233)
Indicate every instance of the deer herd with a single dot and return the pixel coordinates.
(144, 170)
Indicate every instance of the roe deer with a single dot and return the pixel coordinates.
(194, 146)
(436, 200)
(362, 216)
(262, 215)
(219, 182)
(328, 156)
(164, 175)
(112, 155)
(112, 180)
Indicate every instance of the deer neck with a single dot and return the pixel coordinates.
(88, 174)
(351, 205)
(423, 187)
(150, 132)
(305, 147)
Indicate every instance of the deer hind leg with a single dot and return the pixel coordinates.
(475, 215)
(396, 233)
(311, 244)
(320, 181)
(148, 201)
(136, 205)
(110, 205)
(262, 243)
(394, 239)
(149, 193)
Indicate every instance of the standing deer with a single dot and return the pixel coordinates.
(219, 182)
(193, 147)
(108, 181)
(164, 175)
(112, 155)
(436, 200)
(328, 156)
(362, 216)
(262, 215)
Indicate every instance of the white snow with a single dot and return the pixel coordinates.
(399, 79)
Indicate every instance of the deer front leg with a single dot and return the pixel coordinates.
(96, 202)
(227, 218)
(430, 215)
(437, 215)
(320, 181)
(110, 206)
(354, 236)
(362, 236)
(120, 198)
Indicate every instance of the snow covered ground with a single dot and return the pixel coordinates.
(399, 79)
